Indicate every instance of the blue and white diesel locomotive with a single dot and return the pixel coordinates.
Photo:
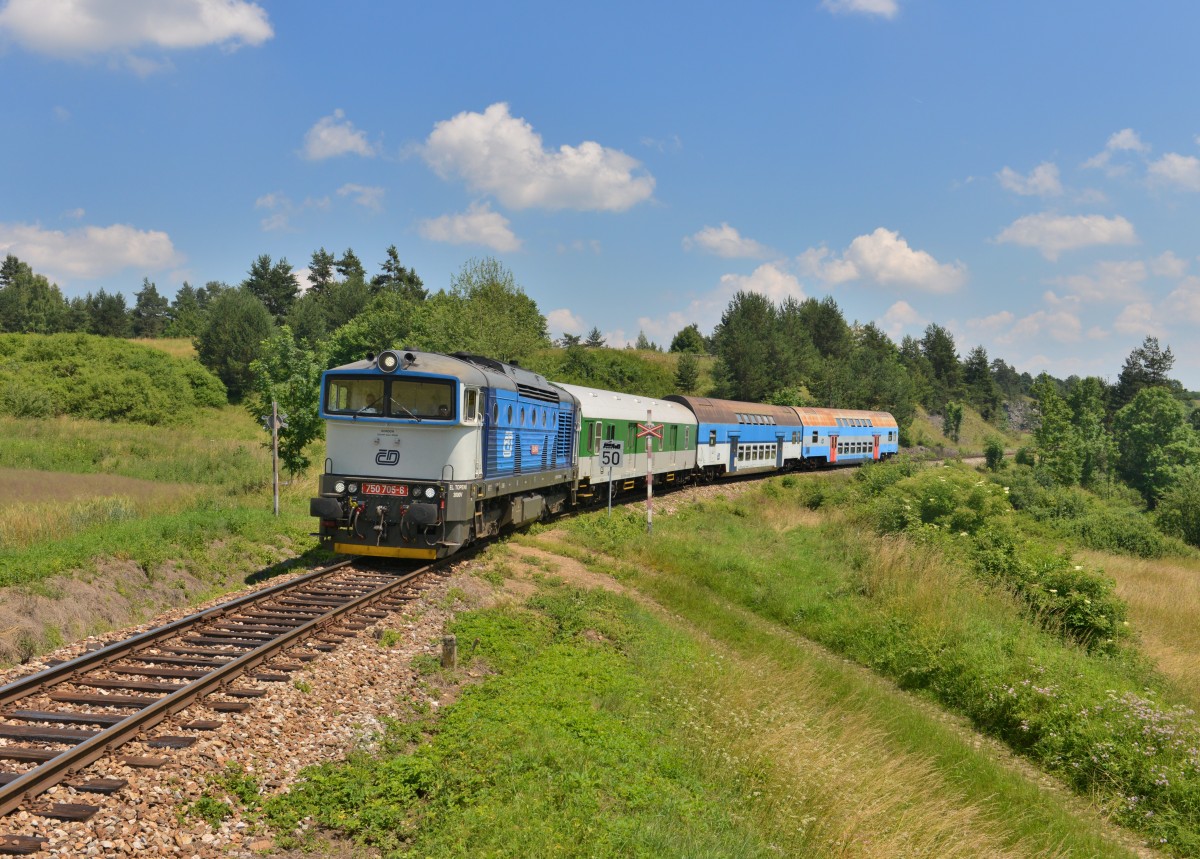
(428, 452)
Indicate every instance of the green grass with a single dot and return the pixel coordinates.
(567, 752)
(220, 447)
(608, 730)
(914, 613)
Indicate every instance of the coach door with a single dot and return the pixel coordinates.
(779, 450)
(875, 452)
(833, 449)
(733, 452)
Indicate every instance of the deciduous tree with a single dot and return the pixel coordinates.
(1153, 439)
(289, 375)
(689, 339)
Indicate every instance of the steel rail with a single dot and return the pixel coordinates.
(67, 670)
(34, 782)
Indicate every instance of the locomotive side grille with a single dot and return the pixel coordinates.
(562, 441)
(544, 395)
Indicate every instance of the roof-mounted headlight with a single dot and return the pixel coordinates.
(388, 362)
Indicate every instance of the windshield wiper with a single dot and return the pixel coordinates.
(396, 405)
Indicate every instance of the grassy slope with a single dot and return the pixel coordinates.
(673, 724)
(186, 504)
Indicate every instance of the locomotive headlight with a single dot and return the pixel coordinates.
(339, 487)
(389, 361)
(353, 487)
(430, 492)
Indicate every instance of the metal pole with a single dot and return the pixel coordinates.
(610, 479)
(275, 452)
(649, 475)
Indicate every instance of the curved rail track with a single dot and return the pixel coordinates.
(60, 720)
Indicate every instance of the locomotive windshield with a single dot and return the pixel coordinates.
(414, 399)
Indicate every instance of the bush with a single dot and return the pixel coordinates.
(101, 379)
(993, 452)
(1124, 531)
(1026, 456)
(952, 499)
(1082, 604)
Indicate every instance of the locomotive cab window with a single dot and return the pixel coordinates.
(426, 399)
(411, 399)
(350, 396)
(471, 408)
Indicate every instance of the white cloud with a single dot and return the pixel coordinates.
(705, 310)
(725, 241)
(1179, 171)
(1125, 140)
(1042, 181)
(478, 226)
(882, 8)
(564, 321)
(768, 279)
(282, 209)
(994, 322)
(1138, 319)
(75, 214)
(1116, 281)
(1183, 304)
(1058, 324)
(899, 316)
(74, 28)
(884, 258)
(333, 136)
(496, 153)
(1168, 265)
(1053, 234)
(88, 252)
(367, 196)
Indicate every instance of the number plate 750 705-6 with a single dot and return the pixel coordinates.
(384, 489)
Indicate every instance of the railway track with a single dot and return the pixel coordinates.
(57, 722)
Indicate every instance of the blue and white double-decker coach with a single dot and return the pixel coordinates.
(427, 452)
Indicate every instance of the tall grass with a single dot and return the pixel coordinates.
(1163, 597)
(971, 643)
(606, 729)
(221, 448)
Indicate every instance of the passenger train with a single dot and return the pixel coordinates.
(428, 452)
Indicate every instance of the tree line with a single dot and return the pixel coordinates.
(267, 339)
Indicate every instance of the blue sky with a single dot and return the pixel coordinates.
(1025, 173)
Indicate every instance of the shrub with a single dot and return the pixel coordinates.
(1026, 456)
(102, 379)
(948, 498)
(1124, 531)
(1081, 603)
(993, 452)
